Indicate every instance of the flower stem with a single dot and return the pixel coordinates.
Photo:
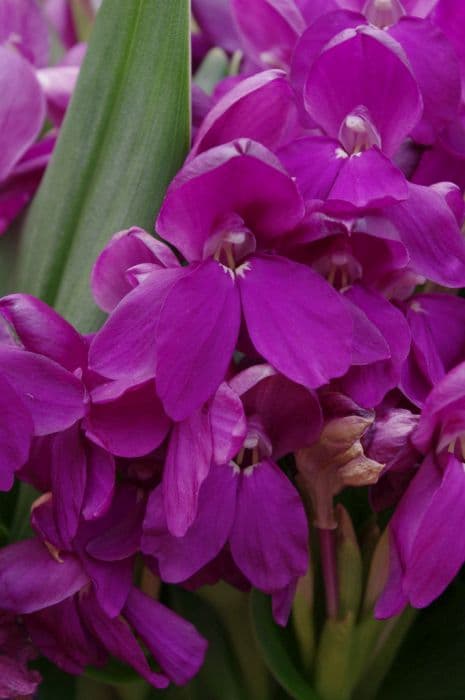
(329, 567)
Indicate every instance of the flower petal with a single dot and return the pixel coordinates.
(174, 643)
(371, 59)
(16, 430)
(22, 112)
(187, 465)
(54, 396)
(296, 320)
(31, 579)
(196, 336)
(269, 539)
(125, 249)
(131, 425)
(430, 232)
(179, 558)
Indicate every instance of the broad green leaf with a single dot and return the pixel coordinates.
(124, 137)
(276, 647)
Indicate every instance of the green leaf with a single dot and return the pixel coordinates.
(113, 672)
(430, 663)
(124, 137)
(276, 644)
(220, 676)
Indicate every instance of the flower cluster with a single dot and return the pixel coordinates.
(30, 117)
(293, 329)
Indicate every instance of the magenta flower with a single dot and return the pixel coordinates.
(225, 220)
(24, 55)
(74, 458)
(246, 506)
(100, 620)
(427, 549)
(39, 397)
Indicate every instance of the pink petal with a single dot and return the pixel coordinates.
(23, 24)
(31, 579)
(179, 558)
(269, 539)
(224, 180)
(131, 425)
(41, 330)
(261, 107)
(125, 249)
(296, 320)
(125, 345)
(229, 425)
(187, 465)
(54, 396)
(196, 336)
(174, 643)
(16, 430)
(372, 59)
(22, 111)
(269, 29)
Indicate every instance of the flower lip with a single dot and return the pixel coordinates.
(358, 133)
(231, 244)
(257, 445)
(383, 13)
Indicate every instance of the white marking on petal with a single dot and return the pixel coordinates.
(242, 269)
(340, 153)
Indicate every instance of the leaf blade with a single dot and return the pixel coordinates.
(124, 137)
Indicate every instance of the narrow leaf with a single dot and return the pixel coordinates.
(275, 646)
(125, 135)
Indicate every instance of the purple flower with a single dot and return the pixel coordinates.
(24, 55)
(427, 548)
(426, 544)
(246, 508)
(74, 458)
(225, 212)
(39, 397)
(79, 603)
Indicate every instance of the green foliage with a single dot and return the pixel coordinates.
(124, 137)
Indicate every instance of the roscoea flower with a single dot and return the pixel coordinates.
(362, 125)
(427, 548)
(426, 544)
(39, 397)
(225, 212)
(75, 460)
(83, 595)
(261, 107)
(246, 508)
(24, 55)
